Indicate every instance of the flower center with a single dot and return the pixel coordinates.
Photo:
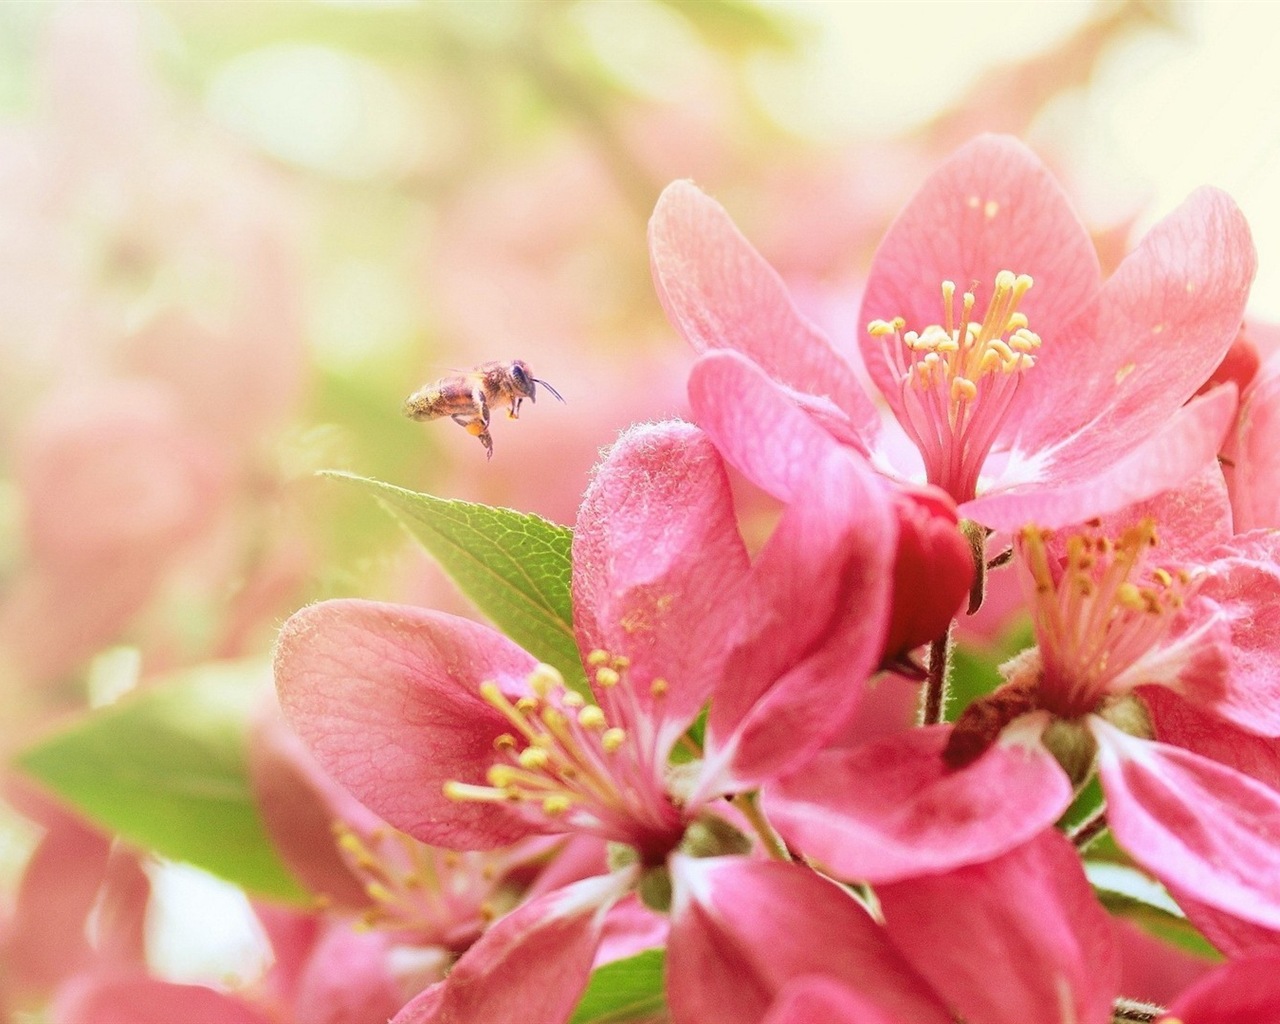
(958, 379)
(1104, 610)
(572, 765)
(442, 897)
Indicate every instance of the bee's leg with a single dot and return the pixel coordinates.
(514, 411)
(476, 427)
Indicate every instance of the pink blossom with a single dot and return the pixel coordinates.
(455, 735)
(1062, 400)
(1112, 623)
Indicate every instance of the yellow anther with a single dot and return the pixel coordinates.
(607, 677)
(544, 679)
(572, 700)
(499, 775)
(1018, 321)
(591, 717)
(556, 804)
(1005, 279)
(504, 741)
(378, 892)
(658, 687)
(598, 657)
(1131, 597)
(1162, 576)
(554, 719)
(612, 739)
(878, 328)
(621, 662)
(963, 389)
(527, 704)
(534, 758)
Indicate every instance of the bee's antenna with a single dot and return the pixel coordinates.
(548, 387)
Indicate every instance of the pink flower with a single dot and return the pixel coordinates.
(1112, 623)
(456, 736)
(1041, 393)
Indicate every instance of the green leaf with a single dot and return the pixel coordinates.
(1129, 893)
(623, 990)
(514, 567)
(165, 768)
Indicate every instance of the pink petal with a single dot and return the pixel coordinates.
(141, 1000)
(119, 925)
(718, 292)
(1227, 932)
(348, 979)
(630, 928)
(293, 935)
(1243, 990)
(46, 940)
(816, 998)
(386, 696)
(741, 930)
(1191, 519)
(1254, 451)
(299, 804)
(1164, 321)
(1022, 937)
(659, 567)
(991, 206)
(1244, 587)
(820, 588)
(932, 569)
(1154, 970)
(1182, 724)
(893, 809)
(1193, 823)
(532, 965)
(1102, 472)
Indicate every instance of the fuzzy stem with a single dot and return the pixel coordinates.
(748, 804)
(1130, 1011)
(935, 685)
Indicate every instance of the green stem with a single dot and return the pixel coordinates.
(748, 804)
(1089, 829)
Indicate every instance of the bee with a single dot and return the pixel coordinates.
(466, 397)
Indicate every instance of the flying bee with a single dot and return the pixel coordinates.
(466, 397)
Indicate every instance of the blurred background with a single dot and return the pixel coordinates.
(233, 238)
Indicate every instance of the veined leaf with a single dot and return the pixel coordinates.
(624, 990)
(165, 767)
(515, 567)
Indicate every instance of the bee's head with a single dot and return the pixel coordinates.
(522, 380)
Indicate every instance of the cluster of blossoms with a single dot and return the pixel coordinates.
(793, 866)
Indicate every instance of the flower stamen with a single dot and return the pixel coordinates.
(571, 761)
(1098, 611)
(958, 378)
